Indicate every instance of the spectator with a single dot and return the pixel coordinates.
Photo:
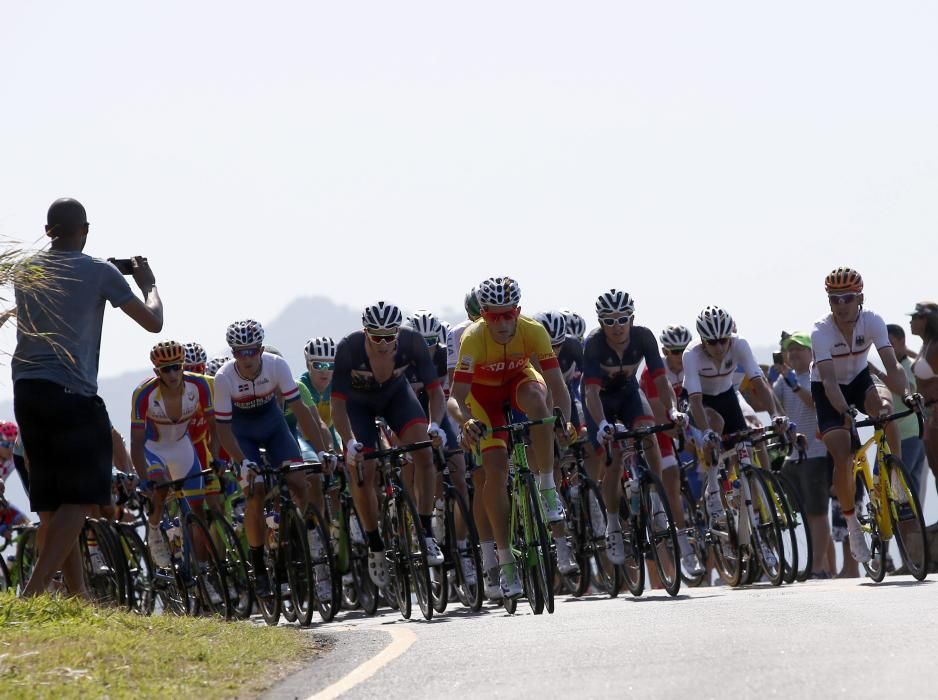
(812, 477)
(64, 424)
(924, 324)
(913, 450)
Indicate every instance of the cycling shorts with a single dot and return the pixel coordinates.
(168, 461)
(267, 429)
(626, 407)
(727, 406)
(828, 418)
(399, 407)
(487, 405)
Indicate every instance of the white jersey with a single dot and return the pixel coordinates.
(235, 394)
(703, 376)
(849, 356)
(452, 343)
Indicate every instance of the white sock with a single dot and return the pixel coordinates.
(612, 522)
(489, 554)
(505, 557)
(545, 482)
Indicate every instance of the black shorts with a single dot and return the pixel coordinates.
(625, 406)
(398, 406)
(727, 405)
(812, 479)
(828, 418)
(67, 439)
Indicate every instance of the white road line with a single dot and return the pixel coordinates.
(401, 640)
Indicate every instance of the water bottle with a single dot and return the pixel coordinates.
(273, 530)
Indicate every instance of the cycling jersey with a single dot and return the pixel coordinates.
(603, 366)
(486, 362)
(198, 425)
(323, 404)
(647, 383)
(453, 339)
(7, 467)
(354, 376)
(703, 376)
(236, 396)
(149, 410)
(849, 358)
(438, 357)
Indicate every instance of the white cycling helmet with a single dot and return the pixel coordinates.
(195, 354)
(444, 331)
(382, 316)
(555, 325)
(714, 323)
(322, 348)
(615, 301)
(675, 338)
(213, 365)
(576, 325)
(243, 333)
(498, 291)
(426, 324)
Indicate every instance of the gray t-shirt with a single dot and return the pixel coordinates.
(802, 416)
(58, 334)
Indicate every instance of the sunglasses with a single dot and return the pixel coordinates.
(621, 321)
(321, 364)
(6, 443)
(674, 351)
(718, 341)
(847, 298)
(431, 341)
(382, 338)
(496, 316)
(166, 369)
(246, 352)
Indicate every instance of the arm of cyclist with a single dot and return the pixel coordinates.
(557, 387)
(895, 378)
(310, 424)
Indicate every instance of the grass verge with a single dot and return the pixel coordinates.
(63, 648)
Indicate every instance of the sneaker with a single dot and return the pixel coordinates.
(615, 547)
(689, 558)
(378, 569)
(262, 585)
(553, 509)
(509, 581)
(493, 591)
(597, 517)
(434, 555)
(468, 567)
(858, 547)
(566, 564)
(768, 556)
(159, 552)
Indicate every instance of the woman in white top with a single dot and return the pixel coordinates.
(924, 324)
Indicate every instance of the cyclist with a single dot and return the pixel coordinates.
(494, 367)
(161, 409)
(204, 439)
(709, 370)
(453, 338)
(370, 381)
(841, 381)
(8, 437)
(320, 365)
(248, 390)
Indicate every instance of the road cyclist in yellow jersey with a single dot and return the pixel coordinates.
(494, 367)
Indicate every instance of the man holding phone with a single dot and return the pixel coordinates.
(64, 425)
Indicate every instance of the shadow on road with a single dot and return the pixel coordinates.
(901, 584)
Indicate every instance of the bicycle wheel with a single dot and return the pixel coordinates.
(799, 525)
(633, 569)
(366, 592)
(908, 523)
(767, 543)
(661, 533)
(295, 563)
(695, 531)
(237, 572)
(605, 575)
(168, 584)
(790, 555)
(211, 586)
(25, 558)
(5, 581)
(540, 557)
(326, 576)
(867, 512)
(396, 552)
(105, 584)
(140, 570)
(466, 557)
(415, 547)
(271, 605)
(725, 542)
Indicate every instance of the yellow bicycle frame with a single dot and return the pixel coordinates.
(879, 493)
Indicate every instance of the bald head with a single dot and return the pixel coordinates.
(66, 218)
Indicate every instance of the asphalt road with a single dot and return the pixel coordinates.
(849, 638)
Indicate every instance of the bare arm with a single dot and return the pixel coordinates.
(340, 420)
(148, 313)
(665, 393)
(137, 438)
(558, 390)
(895, 379)
(437, 404)
(593, 404)
(825, 370)
(229, 441)
(760, 388)
(310, 427)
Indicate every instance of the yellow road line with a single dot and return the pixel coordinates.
(401, 640)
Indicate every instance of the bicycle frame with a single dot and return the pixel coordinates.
(877, 486)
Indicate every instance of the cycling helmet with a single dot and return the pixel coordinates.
(9, 431)
(167, 352)
(244, 333)
(444, 331)
(675, 338)
(472, 304)
(273, 351)
(555, 325)
(576, 326)
(714, 323)
(382, 316)
(426, 324)
(615, 301)
(213, 365)
(498, 291)
(322, 348)
(843, 279)
(195, 354)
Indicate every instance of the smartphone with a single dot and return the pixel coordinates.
(124, 265)
(778, 358)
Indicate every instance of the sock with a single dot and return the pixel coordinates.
(851, 517)
(426, 522)
(489, 554)
(505, 557)
(257, 559)
(375, 543)
(545, 481)
(612, 522)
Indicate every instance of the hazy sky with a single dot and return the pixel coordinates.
(691, 153)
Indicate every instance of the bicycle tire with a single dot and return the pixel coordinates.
(327, 609)
(414, 539)
(799, 525)
(6, 583)
(695, 537)
(766, 530)
(542, 558)
(399, 571)
(366, 590)
(168, 585)
(105, 585)
(237, 570)
(633, 568)
(294, 550)
(605, 575)
(727, 556)
(789, 516)
(662, 541)
(576, 582)
(867, 514)
(210, 574)
(25, 558)
(470, 595)
(908, 523)
(140, 570)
